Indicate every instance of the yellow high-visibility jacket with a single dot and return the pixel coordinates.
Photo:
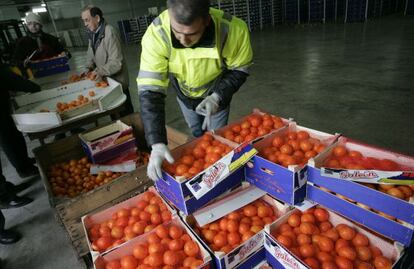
(196, 72)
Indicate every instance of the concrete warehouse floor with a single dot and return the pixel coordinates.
(356, 79)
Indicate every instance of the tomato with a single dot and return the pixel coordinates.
(155, 259)
(294, 220)
(326, 244)
(122, 221)
(250, 210)
(303, 239)
(181, 169)
(340, 243)
(103, 242)
(329, 265)
(307, 250)
(129, 262)
(176, 244)
(301, 135)
(191, 248)
(307, 218)
(360, 240)
(278, 141)
(140, 251)
(232, 226)
(285, 240)
(170, 258)
(339, 151)
(388, 165)
(141, 204)
(375, 251)
(343, 263)
(138, 227)
(332, 234)
(346, 232)
(364, 265)
(324, 257)
(117, 232)
(396, 192)
(188, 261)
(363, 253)
(307, 228)
(161, 231)
(381, 262)
(325, 226)
(347, 252)
(114, 264)
(233, 239)
(153, 238)
(175, 232)
(286, 149)
(306, 145)
(312, 263)
(220, 240)
(196, 264)
(321, 214)
(247, 235)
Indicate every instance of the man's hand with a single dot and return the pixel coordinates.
(159, 153)
(208, 107)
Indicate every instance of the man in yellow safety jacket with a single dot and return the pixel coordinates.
(205, 54)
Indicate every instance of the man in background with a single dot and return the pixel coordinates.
(37, 45)
(105, 56)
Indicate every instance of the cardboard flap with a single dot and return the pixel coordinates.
(228, 204)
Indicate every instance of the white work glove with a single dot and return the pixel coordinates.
(208, 107)
(159, 153)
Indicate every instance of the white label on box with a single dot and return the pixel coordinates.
(122, 167)
(282, 256)
(203, 183)
(242, 252)
(370, 176)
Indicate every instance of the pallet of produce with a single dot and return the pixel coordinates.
(318, 238)
(252, 127)
(280, 166)
(367, 184)
(203, 169)
(232, 227)
(169, 245)
(122, 222)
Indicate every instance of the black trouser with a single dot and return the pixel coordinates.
(5, 192)
(13, 143)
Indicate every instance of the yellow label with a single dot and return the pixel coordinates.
(242, 160)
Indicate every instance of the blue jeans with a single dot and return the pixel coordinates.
(195, 121)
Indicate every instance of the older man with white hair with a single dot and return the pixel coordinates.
(37, 45)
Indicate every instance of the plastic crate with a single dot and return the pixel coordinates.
(50, 67)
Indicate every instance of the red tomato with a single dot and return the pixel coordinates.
(129, 262)
(191, 248)
(321, 214)
(103, 243)
(114, 264)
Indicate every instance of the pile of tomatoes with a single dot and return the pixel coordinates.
(341, 157)
(311, 237)
(233, 229)
(128, 223)
(73, 178)
(81, 100)
(168, 247)
(293, 148)
(253, 126)
(194, 160)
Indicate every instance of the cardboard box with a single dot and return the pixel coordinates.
(188, 195)
(239, 256)
(127, 249)
(96, 218)
(106, 143)
(280, 257)
(255, 111)
(28, 115)
(324, 190)
(286, 184)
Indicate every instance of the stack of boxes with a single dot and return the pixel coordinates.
(245, 179)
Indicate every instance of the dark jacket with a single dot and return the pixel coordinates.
(48, 45)
(12, 82)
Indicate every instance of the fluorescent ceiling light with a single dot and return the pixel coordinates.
(39, 9)
(43, 4)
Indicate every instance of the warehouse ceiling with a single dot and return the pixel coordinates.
(20, 2)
